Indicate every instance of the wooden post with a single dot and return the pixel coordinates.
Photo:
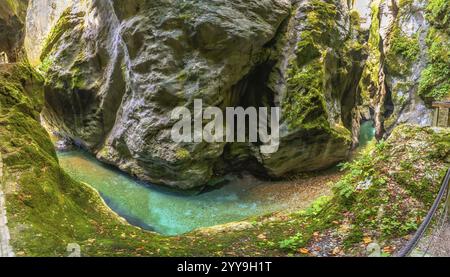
(444, 119)
(435, 117)
(441, 114)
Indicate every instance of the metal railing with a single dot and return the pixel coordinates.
(443, 194)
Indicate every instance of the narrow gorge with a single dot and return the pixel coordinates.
(87, 92)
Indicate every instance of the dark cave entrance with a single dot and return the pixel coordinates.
(250, 91)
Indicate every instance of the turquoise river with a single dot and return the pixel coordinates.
(170, 212)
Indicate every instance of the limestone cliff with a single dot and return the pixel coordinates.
(115, 71)
(41, 17)
(314, 82)
(12, 20)
(407, 66)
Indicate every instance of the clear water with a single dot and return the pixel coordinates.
(367, 133)
(162, 210)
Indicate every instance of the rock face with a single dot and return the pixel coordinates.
(115, 71)
(314, 80)
(403, 32)
(42, 16)
(399, 80)
(12, 20)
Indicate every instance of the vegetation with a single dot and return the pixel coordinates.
(438, 13)
(403, 52)
(48, 210)
(369, 79)
(434, 83)
(382, 196)
(67, 21)
(308, 75)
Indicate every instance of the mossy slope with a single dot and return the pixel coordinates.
(47, 209)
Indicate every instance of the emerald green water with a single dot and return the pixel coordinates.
(171, 213)
(162, 210)
(367, 133)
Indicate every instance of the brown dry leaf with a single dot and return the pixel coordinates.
(367, 240)
(336, 251)
(388, 249)
(262, 236)
(303, 251)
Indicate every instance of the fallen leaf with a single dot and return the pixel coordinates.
(303, 251)
(367, 240)
(336, 251)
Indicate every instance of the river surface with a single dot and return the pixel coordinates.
(172, 212)
(367, 133)
(165, 211)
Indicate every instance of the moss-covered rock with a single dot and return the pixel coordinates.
(113, 78)
(383, 196)
(322, 57)
(434, 83)
(398, 56)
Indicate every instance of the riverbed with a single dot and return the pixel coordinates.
(172, 212)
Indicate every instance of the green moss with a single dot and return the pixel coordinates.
(403, 52)
(45, 65)
(355, 19)
(305, 104)
(67, 21)
(438, 13)
(369, 80)
(183, 154)
(306, 108)
(434, 83)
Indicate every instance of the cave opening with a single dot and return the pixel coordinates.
(250, 91)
